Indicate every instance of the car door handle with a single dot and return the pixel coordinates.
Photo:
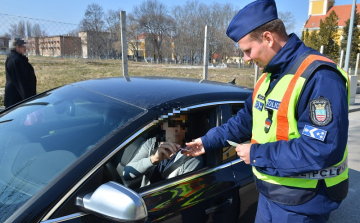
(220, 207)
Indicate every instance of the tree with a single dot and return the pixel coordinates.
(154, 20)
(28, 29)
(354, 50)
(313, 40)
(190, 25)
(18, 30)
(191, 20)
(288, 20)
(328, 36)
(133, 33)
(93, 19)
(93, 23)
(306, 37)
(36, 31)
(112, 19)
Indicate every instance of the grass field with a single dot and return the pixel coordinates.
(53, 72)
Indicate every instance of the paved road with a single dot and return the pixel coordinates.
(349, 210)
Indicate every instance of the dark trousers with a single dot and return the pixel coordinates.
(269, 211)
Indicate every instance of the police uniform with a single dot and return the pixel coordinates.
(297, 120)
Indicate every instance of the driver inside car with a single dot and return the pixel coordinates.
(159, 157)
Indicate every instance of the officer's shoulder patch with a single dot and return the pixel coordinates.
(320, 111)
(315, 133)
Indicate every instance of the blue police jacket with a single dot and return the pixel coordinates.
(304, 154)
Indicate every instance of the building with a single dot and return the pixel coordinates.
(59, 46)
(136, 47)
(142, 47)
(99, 44)
(320, 9)
(4, 44)
(32, 46)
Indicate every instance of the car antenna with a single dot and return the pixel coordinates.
(233, 81)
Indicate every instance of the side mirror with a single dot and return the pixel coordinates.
(114, 202)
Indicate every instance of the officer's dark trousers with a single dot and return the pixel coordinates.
(269, 211)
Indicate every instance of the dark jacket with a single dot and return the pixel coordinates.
(304, 154)
(20, 79)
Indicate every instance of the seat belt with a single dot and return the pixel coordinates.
(174, 165)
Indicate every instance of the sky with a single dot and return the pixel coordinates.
(72, 11)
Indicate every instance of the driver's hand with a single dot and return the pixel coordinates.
(165, 151)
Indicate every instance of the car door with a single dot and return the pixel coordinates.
(206, 195)
(210, 194)
(247, 191)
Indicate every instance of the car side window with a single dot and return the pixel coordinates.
(229, 153)
(133, 165)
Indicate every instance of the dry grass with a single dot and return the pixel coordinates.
(54, 72)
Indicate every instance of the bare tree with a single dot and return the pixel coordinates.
(220, 17)
(134, 36)
(154, 20)
(93, 19)
(93, 23)
(18, 30)
(28, 29)
(191, 20)
(37, 31)
(189, 39)
(288, 20)
(112, 18)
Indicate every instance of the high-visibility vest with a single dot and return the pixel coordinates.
(282, 125)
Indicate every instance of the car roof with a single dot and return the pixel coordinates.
(149, 92)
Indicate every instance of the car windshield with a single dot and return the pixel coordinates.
(42, 137)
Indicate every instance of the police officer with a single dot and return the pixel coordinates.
(296, 118)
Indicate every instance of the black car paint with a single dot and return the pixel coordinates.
(180, 93)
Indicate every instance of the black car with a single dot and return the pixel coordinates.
(62, 154)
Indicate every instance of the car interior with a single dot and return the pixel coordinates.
(199, 123)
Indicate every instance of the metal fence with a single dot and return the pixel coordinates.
(58, 39)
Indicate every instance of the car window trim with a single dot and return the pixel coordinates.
(189, 178)
(66, 218)
(124, 144)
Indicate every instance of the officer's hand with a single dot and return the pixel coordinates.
(243, 151)
(194, 148)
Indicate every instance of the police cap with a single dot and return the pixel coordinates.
(251, 17)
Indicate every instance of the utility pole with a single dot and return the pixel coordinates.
(351, 27)
(206, 54)
(256, 76)
(353, 78)
(124, 45)
(341, 58)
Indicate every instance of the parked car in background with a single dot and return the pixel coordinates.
(63, 152)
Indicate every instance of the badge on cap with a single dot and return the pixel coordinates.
(320, 111)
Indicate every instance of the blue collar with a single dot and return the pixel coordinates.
(286, 57)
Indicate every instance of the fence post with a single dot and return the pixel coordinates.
(341, 58)
(124, 45)
(206, 54)
(357, 64)
(322, 49)
(256, 74)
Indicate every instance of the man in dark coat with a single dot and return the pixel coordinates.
(20, 75)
